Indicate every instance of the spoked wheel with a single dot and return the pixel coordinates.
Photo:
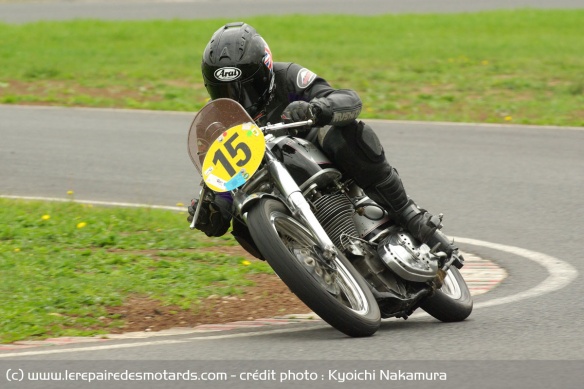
(453, 301)
(333, 289)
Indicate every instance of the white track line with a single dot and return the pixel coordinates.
(95, 202)
(560, 273)
(151, 343)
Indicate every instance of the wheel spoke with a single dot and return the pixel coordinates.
(333, 289)
(304, 248)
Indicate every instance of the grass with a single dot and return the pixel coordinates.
(63, 264)
(522, 66)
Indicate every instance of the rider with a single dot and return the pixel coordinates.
(272, 92)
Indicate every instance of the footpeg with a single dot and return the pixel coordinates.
(456, 260)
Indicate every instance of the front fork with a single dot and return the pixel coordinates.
(295, 200)
(298, 204)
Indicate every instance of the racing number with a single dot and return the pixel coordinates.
(219, 157)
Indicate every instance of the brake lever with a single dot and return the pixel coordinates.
(199, 204)
(456, 259)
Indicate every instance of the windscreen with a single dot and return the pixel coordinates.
(211, 121)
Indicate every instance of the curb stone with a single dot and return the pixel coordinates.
(481, 276)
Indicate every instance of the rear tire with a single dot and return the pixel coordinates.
(452, 302)
(334, 290)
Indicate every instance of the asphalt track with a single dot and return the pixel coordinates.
(232, 9)
(510, 185)
(517, 188)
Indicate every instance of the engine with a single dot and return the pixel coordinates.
(398, 268)
(335, 214)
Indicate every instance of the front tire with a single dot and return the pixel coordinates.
(334, 290)
(452, 302)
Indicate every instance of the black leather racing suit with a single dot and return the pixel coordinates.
(352, 146)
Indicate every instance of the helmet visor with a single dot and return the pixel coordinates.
(250, 93)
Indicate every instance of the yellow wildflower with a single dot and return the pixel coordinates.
(81, 225)
(46, 217)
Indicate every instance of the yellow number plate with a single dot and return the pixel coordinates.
(234, 157)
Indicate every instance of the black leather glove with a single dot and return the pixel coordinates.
(214, 217)
(299, 111)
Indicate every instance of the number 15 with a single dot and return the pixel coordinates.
(219, 157)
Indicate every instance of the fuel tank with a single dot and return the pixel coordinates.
(305, 162)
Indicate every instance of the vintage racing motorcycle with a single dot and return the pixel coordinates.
(334, 247)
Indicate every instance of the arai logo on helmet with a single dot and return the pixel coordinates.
(227, 74)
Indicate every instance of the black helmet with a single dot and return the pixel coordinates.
(237, 64)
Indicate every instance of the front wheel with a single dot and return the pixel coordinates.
(452, 302)
(334, 290)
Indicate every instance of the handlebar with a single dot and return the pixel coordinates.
(279, 129)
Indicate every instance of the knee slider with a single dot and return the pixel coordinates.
(369, 143)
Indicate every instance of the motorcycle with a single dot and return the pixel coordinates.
(333, 246)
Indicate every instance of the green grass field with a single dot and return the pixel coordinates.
(63, 264)
(506, 66)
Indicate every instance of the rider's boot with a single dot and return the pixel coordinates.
(391, 195)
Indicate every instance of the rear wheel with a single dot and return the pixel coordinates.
(334, 290)
(452, 302)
